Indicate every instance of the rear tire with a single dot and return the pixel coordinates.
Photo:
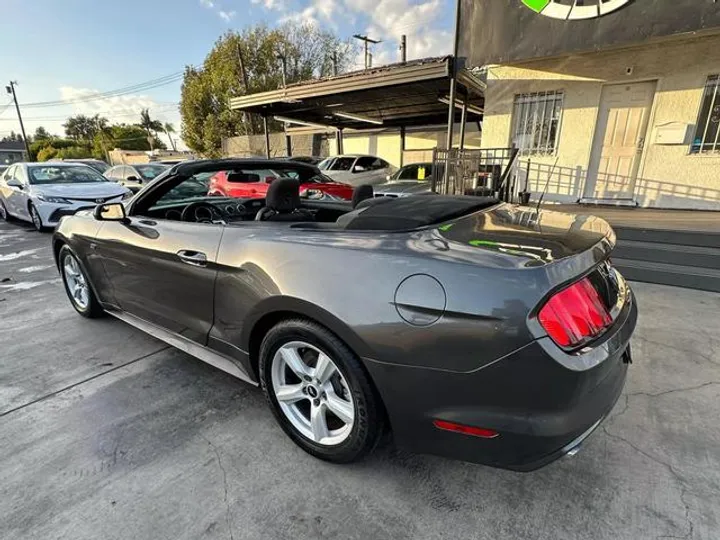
(327, 405)
(77, 285)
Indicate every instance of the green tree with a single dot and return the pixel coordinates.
(246, 63)
(81, 127)
(169, 131)
(129, 137)
(41, 134)
(150, 126)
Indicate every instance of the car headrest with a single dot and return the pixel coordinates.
(242, 177)
(283, 195)
(361, 193)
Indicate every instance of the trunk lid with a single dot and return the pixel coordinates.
(519, 237)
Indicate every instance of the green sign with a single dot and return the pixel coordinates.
(571, 10)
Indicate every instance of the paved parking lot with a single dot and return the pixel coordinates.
(106, 433)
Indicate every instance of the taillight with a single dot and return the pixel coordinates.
(574, 315)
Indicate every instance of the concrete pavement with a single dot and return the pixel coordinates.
(106, 433)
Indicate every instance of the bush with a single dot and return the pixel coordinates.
(46, 153)
(74, 152)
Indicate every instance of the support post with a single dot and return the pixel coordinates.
(402, 146)
(267, 137)
(403, 48)
(463, 121)
(339, 141)
(288, 144)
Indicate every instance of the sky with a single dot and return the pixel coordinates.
(69, 50)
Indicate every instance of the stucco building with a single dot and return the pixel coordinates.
(621, 104)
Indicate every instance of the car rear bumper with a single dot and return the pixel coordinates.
(540, 408)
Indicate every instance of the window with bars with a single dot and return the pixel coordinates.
(707, 133)
(536, 122)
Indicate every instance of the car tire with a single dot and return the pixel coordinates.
(74, 280)
(4, 215)
(35, 217)
(348, 389)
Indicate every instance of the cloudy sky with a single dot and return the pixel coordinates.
(64, 52)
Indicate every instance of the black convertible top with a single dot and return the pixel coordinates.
(403, 213)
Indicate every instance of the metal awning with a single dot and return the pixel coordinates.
(414, 93)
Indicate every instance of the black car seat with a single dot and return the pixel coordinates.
(361, 193)
(282, 203)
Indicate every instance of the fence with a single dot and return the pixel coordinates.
(475, 172)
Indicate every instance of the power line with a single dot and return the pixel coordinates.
(102, 113)
(147, 85)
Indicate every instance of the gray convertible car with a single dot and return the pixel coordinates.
(464, 326)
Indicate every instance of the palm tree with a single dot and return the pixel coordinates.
(169, 130)
(149, 125)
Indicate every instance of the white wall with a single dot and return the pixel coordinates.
(669, 176)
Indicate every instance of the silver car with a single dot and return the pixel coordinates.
(42, 193)
(412, 179)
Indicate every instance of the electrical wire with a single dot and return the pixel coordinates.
(139, 87)
(167, 108)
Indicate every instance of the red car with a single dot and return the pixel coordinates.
(253, 180)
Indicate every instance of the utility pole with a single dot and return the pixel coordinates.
(403, 48)
(283, 60)
(367, 40)
(11, 90)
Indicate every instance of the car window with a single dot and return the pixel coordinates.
(191, 189)
(111, 173)
(9, 173)
(325, 164)
(65, 174)
(370, 163)
(149, 172)
(342, 164)
(20, 175)
(408, 173)
(126, 172)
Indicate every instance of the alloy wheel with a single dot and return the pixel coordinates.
(36, 218)
(312, 393)
(75, 282)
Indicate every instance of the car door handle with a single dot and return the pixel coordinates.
(196, 258)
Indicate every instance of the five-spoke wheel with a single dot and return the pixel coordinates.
(319, 391)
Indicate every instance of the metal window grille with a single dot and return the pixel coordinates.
(536, 122)
(707, 133)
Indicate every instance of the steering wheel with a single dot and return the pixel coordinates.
(201, 212)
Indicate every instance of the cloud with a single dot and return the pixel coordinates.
(271, 5)
(207, 3)
(226, 16)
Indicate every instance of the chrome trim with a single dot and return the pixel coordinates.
(208, 356)
(573, 447)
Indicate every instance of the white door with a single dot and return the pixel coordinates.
(619, 140)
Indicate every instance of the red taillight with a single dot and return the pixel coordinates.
(467, 430)
(574, 315)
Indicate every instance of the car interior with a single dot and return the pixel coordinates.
(187, 199)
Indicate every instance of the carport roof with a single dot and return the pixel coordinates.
(406, 94)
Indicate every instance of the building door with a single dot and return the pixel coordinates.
(619, 140)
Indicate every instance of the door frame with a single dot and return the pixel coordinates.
(596, 144)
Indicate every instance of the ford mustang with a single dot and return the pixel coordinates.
(464, 326)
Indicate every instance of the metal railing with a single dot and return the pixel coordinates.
(489, 171)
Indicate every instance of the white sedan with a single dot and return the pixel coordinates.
(42, 193)
(355, 170)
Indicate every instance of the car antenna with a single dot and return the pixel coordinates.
(547, 184)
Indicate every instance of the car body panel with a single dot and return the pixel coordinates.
(472, 354)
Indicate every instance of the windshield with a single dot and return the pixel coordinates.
(65, 174)
(325, 163)
(99, 166)
(149, 172)
(342, 164)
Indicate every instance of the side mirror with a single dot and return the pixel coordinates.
(270, 179)
(388, 177)
(358, 168)
(14, 182)
(110, 212)
(132, 179)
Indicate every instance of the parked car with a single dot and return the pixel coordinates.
(357, 170)
(470, 328)
(253, 180)
(42, 193)
(97, 164)
(310, 160)
(135, 176)
(412, 179)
